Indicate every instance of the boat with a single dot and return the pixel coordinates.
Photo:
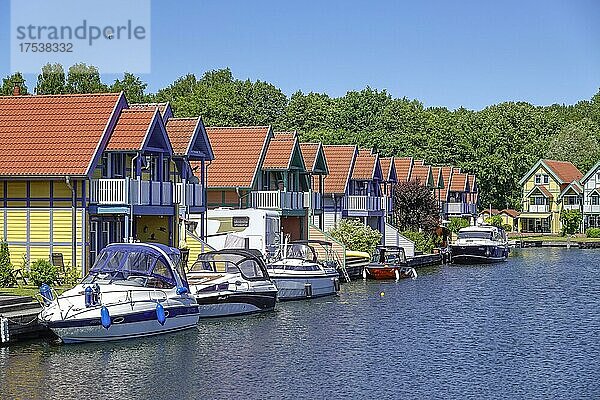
(298, 273)
(389, 262)
(231, 282)
(132, 290)
(480, 244)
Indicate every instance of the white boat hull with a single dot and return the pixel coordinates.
(297, 288)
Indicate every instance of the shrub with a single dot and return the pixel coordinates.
(494, 220)
(7, 278)
(72, 276)
(356, 236)
(423, 242)
(507, 227)
(456, 223)
(42, 271)
(592, 233)
(570, 220)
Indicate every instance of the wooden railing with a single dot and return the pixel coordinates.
(109, 191)
(130, 192)
(277, 200)
(312, 200)
(540, 208)
(460, 208)
(363, 203)
(191, 195)
(591, 208)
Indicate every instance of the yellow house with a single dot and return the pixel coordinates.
(548, 188)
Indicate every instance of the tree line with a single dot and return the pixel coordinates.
(498, 143)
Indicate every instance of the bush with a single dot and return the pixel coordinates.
(457, 223)
(423, 242)
(42, 271)
(356, 236)
(7, 278)
(570, 220)
(494, 220)
(507, 227)
(72, 276)
(592, 233)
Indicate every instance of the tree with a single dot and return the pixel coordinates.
(51, 80)
(7, 278)
(133, 87)
(578, 143)
(356, 236)
(570, 221)
(415, 207)
(8, 84)
(84, 78)
(495, 220)
(457, 223)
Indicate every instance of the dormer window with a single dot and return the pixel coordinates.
(538, 179)
(546, 179)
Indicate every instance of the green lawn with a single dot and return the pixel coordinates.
(555, 238)
(29, 290)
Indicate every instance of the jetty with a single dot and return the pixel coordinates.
(18, 319)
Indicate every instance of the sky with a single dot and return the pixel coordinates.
(443, 53)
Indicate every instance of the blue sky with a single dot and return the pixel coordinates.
(444, 53)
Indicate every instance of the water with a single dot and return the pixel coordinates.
(528, 328)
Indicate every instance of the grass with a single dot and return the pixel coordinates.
(554, 238)
(28, 290)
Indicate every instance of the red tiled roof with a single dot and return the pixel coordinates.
(279, 152)
(131, 129)
(181, 131)
(459, 182)
(545, 191)
(54, 135)
(162, 107)
(472, 182)
(565, 170)
(436, 176)
(510, 212)
(494, 211)
(403, 165)
(339, 160)
(447, 175)
(386, 167)
(364, 166)
(309, 153)
(420, 172)
(237, 152)
(419, 162)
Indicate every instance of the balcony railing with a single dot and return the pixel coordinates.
(591, 208)
(189, 194)
(130, 192)
(460, 208)
(312, 200)
(571, 207)
(363, 203)
(538, 208)
(277, 200)
(387, 204)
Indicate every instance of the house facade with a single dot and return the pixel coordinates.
(590, 184)
(548, 188)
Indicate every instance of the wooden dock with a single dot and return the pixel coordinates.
(18, 319)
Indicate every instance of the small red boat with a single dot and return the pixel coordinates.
(389, 263)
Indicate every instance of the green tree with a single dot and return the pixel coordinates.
(8, 84)
(52, 80)
(415, 207)
(577, 142)
(570, 221)
(457, 223)
(356, 236)
(133, 87)
(495, 220)
(83, 78)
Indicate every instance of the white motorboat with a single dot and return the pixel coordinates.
(231, 282)
(480, 244)
(132, 290)
(298, 274)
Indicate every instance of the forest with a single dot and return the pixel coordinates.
(498, 143)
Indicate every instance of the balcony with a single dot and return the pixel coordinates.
(313, 200)
(591, 208)
(571, 207)
(387, 204)
(538, 208)
(190, 195)
(460, 208)
(276, 200)
(125, 192)
(363, 203)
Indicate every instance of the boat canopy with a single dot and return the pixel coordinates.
(389, 255)
(124, 261)
(301, 251)
(232, 261)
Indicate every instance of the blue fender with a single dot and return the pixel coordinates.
(105, 317)
(160, 314)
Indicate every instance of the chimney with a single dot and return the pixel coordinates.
(17, 90)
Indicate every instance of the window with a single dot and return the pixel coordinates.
(538, 179)
(118, 167)
(595, 200)
(546, 179)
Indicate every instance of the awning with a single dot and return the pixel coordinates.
(534, 215)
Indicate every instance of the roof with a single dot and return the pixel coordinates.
(562, 171)
(422, 173)
(238, 151)
(340, 159)
(279, 152)
(388, 167)
(181, 131)
(314, 158)
(542, 189)
(459, 182)
(131, 129)
(54, 135)
(510, 212)
(364, 166)
(403, 168)
(494, 211)
(438, 179)
(447, 176)
(574, 186)
(163, 108)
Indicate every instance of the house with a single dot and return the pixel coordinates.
(508, 215)
(78, 172)
(548, 188)
(336, 185)
(255, 167)
(390, 179)
(590, 184)
(317, 170)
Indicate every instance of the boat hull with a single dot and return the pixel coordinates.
(125, 326)
(299, 288)
(382, 273)
(233, 304)
(479, 254)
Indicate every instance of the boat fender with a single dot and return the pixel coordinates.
(364, 273)
(307, 290)
(89, 300)
(182, 290)
(105, 317)
(397, 273)
(336, 284)
(46, 293)
(160, 314)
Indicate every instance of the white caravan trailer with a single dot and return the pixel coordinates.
(261, 228)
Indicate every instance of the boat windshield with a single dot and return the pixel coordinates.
(301, 267)
(124, 266)
(302, 252)
(229, 264)
(386, 256)
(475, 235)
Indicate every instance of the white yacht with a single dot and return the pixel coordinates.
(231, 282)
(132, 290)
(298, 274)
(480, 244)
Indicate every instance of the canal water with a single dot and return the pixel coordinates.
(528, 328)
